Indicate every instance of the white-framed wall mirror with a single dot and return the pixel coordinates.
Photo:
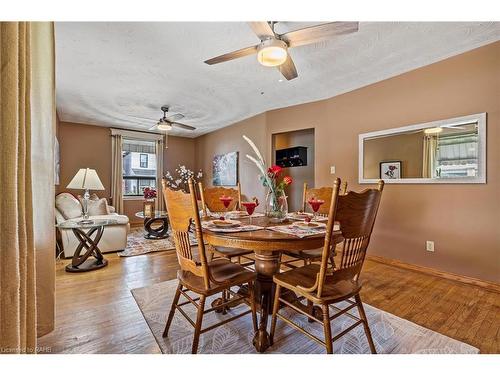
(445, 151)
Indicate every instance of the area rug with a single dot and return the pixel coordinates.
(138, 245)
(391, 334)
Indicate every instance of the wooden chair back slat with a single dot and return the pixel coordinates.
(182, 212)
(356, 213)
(210, 198)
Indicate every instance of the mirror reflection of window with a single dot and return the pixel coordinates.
(457, 152)
(447, 150)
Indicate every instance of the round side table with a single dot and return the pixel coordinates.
(158, 232)
(84, 231)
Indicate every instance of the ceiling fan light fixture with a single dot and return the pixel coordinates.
(272, 52)
(164, 126)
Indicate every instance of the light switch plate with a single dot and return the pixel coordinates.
(332, 169)
(429, 245)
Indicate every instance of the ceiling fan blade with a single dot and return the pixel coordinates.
(154, 127)
(318, 33)
(288, 69)
(174, 117)
(262, 29)
(183, 126)
(232, 55)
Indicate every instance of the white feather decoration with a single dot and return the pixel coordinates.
(255, 149)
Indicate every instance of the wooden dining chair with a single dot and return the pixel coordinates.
(319, 284)
(323, 193)
(210, 198)
(196, 273)
(314, 255)
(210, 202)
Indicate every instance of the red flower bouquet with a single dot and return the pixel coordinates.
(149, 193)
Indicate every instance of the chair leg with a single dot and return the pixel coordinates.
(310, 310)
(327, 329)
(332, 261)
(276, 306)
(362, 315)
(224, 299)
(172, 310)
(252, 306)
(197, 328)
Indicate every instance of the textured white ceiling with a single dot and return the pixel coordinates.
(119, 74)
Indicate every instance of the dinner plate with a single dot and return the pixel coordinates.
(225, 223)
(310, 225)
(300, 215)
(238, 214)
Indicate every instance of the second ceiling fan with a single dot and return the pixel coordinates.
(170, 120)
(273, 48)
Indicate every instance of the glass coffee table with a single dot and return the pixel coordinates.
(83, 231)
(160, 230)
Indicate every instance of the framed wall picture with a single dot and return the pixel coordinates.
(390, 170)
(225, 169)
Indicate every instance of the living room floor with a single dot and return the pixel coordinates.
(96, 313)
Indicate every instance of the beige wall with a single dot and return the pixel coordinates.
(230, 139)
(407, 148)
(462, 219)
(299, 174)
(89, 146)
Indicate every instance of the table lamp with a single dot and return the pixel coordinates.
(86, 179)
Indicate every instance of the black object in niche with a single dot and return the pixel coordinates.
(292, 157)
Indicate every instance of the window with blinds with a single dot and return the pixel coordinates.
(139, 166)
(457, 153)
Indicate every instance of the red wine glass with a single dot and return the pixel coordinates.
(315, 205)
(226, 201)
(250, 207)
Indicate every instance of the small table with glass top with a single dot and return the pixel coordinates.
(83, 231)
(158, 232)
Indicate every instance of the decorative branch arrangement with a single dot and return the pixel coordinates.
(179, 181)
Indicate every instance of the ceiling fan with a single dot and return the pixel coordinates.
(170, 120)
(273, 48)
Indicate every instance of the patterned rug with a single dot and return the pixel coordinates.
(138, 245)
(390, 333)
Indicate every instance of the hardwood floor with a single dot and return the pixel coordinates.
(96, 313)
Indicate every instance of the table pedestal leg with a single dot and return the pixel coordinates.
(266, 265)
(157, 233)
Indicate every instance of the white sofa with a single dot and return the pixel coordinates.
(69, 208)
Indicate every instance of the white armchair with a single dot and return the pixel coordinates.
(114, 237)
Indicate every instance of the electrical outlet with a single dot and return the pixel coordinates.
(332, 169)
(429, 245)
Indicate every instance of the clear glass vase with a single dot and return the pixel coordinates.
(276, 205)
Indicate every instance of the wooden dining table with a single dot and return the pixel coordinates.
(267, 246)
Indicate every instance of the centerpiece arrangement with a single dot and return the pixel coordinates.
(276, 199)
(149, 201)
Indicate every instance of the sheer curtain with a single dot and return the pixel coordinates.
(159, 175)
(26, 112)
(117, 173)
(429, 156)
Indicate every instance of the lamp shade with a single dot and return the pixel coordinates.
(86, 178)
